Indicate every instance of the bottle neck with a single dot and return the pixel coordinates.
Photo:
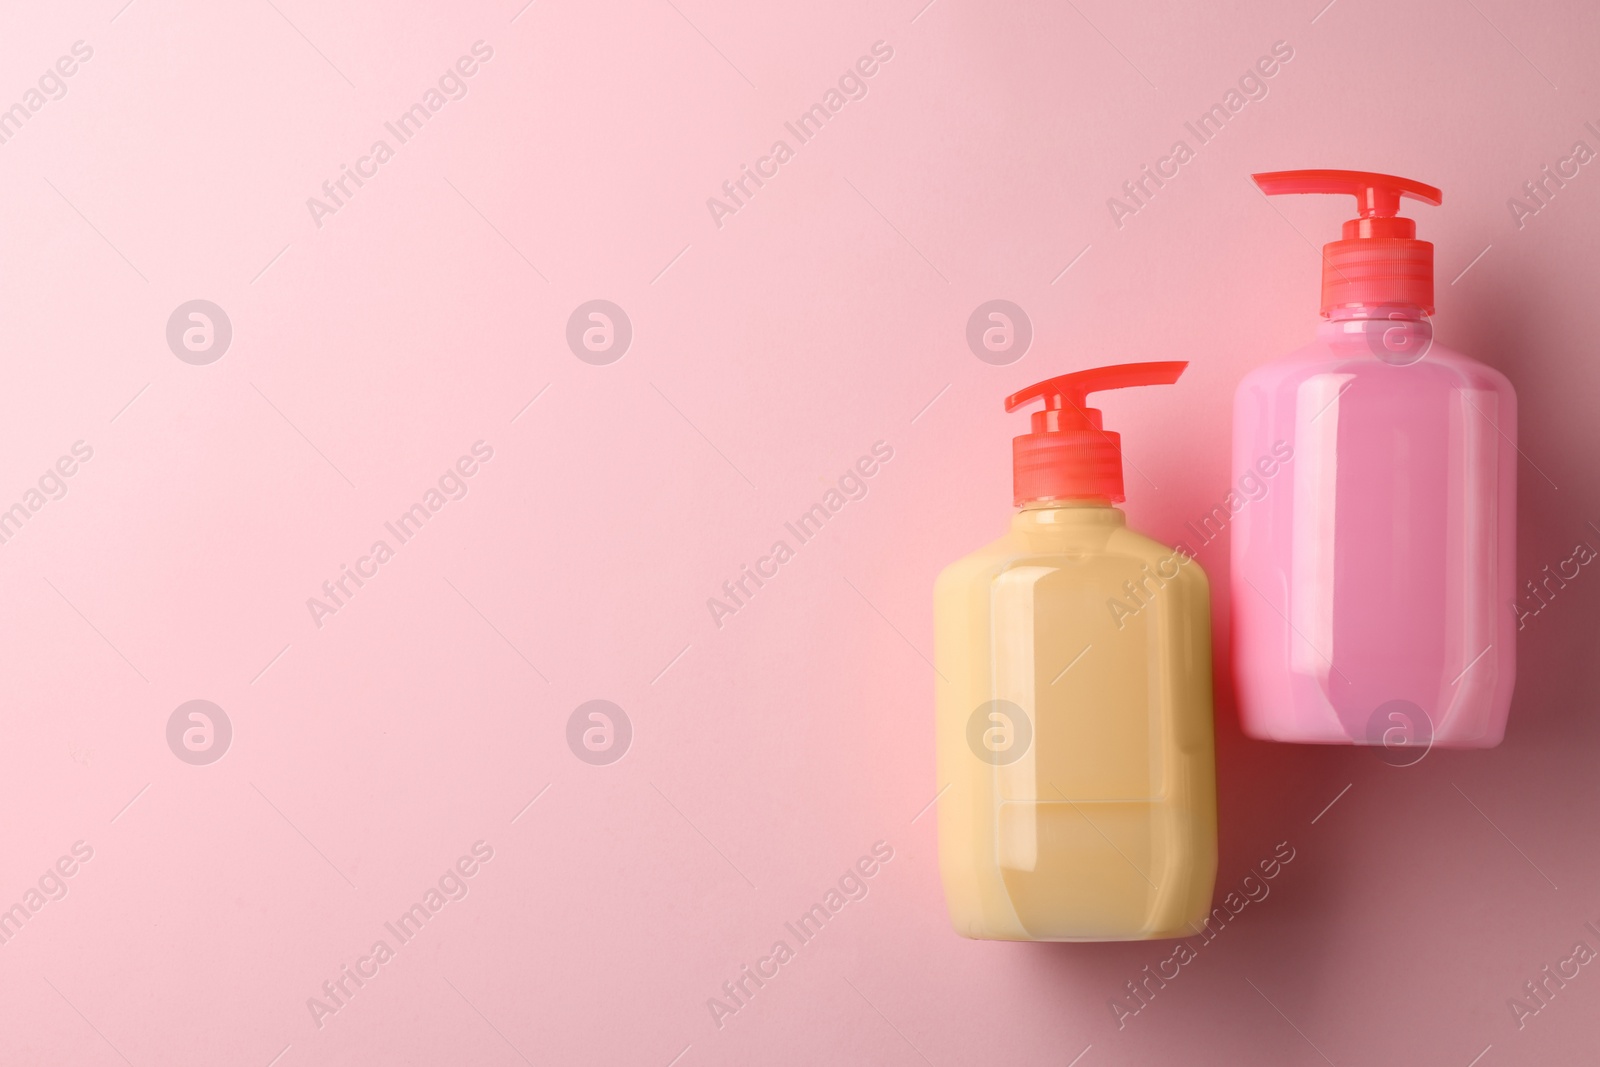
(1398, 334)
(1393, 312)
(1061, 511)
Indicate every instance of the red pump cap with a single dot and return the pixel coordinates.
(1069, 455)
(1379, 260)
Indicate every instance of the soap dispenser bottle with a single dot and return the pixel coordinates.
(1073, 661)
(1373, 583)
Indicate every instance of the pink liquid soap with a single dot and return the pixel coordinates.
(1373, 587)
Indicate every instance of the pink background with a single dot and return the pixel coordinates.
(767, 355)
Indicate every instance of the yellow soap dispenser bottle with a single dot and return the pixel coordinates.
(1073, 667)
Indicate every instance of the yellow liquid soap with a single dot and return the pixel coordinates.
(1073, 661)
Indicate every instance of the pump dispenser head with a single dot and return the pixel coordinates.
(1070, 455)
(1379, 261)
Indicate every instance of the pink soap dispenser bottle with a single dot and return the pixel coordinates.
(1374, 578)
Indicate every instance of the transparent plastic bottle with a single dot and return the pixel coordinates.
(1074, 702)
(1373, 584)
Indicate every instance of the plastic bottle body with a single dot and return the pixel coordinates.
(1075, 733)
(1373, 582)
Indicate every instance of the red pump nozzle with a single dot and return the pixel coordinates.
(1070, 455)
(1378, 261)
